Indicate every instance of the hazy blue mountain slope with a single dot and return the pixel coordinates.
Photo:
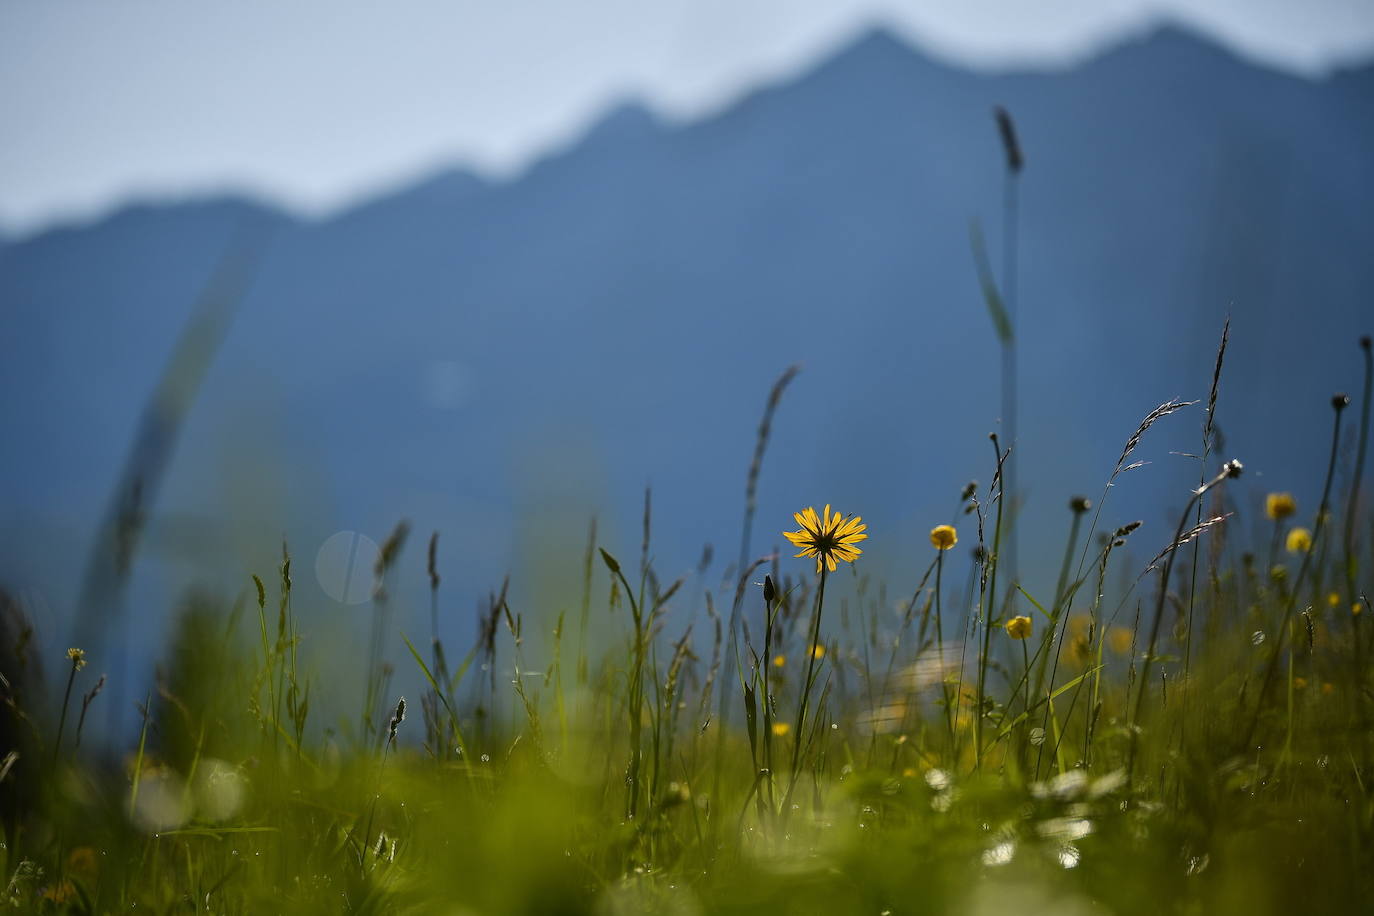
(491, 359)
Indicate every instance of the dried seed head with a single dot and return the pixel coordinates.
(1233, 468)
(1007, 129)
(396, 719)
(769, 591)
(432, 564)
(1080, 504)
(94, 691)
(1340, 400)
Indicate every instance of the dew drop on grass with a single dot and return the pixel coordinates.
(1001, 854)
(1069, 855)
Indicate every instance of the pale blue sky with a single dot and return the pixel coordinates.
(313, 103)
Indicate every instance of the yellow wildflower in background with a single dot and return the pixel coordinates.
(818, 652)
(1299, 540)
(1019, 627)
(1280, 505)
(1077, 650)
(779, 661)
(780, 729)
(827, 537)
(944, 537)
(1334, 599)
(82, 861)
(1120, 639)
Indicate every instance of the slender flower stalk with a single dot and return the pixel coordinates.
(826, 538)
(943, 537)
(1079, 506)
(1353, 498)
(1338, 404)
(77, 657)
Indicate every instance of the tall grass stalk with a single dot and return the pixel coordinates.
(1230, 470)
(1353, 502)
(1010, 388)
(999, 485)
(1338, 404)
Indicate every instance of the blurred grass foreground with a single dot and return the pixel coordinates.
(1185, 734)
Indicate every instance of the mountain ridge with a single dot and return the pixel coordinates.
(866, 43)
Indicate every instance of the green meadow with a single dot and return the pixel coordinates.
(1181, 725)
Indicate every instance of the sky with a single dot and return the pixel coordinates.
(315, 104)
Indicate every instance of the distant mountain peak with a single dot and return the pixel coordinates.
(878, 38)
(1169, 41)
(628, 118)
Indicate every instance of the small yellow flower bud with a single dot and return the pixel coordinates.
(1280, 505)
(943, 537)
(1299, 540)
(1019, 627)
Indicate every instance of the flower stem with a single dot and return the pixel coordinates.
(62, 720)
(806, 689)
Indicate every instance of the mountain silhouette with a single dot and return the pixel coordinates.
(499, 360)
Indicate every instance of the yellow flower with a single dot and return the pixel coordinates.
(827, 537)
(1078, 650)
(780, 729)
(1356, 609)
(1299, 683)
(1334, 599)
(1280, 505)
(82, 861)
(1299, 540)
(1328, 688)
(1019, 627)
(1120, 638)
(60, 892)
(779, 661)
(943, 537)
(77, 657)
(818, 652)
